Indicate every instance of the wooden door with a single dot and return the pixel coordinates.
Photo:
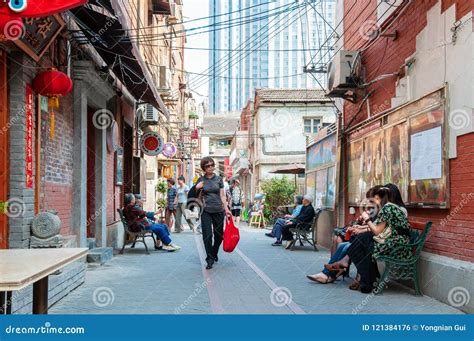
(4, 150)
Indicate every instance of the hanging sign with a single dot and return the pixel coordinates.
(169, 150)
(151, 143)
(29, 137)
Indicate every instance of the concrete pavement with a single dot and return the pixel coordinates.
(257, 278)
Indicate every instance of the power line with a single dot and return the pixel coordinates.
(206, 18)
(212, 28)
(266, 40)
(245, 45)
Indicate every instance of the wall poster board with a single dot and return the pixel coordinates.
(320, 171)
(409, 152)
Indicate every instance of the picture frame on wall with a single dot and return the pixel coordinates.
(119, 166)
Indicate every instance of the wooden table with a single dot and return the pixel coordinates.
(22, 267)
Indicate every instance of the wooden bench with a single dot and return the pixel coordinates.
(404, 269)
(306, 232)
(134, 235)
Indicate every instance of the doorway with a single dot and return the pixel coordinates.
(90, 174)
(4, 150)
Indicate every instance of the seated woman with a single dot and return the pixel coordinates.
(135, 216)
(306, 216)
(390, 228)
(280, 222)
(326, 276)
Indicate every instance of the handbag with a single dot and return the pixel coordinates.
(231, 235)
(191, 214)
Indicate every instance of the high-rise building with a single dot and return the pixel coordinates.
(260, 43)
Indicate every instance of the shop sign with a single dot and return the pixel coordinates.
(151, 143)
(38, 34)
(29, 137)
(169, 150)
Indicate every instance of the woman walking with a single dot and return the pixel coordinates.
(215, 210)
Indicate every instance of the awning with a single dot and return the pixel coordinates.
(103, 30)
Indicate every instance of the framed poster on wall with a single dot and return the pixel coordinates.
(396, 157)
(428, 166)
(410, 153)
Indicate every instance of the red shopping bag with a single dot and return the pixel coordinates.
(231, 235)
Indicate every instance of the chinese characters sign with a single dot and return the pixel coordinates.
(38, 34)
(29, 137)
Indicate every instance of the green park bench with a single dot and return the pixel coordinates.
(404, 269)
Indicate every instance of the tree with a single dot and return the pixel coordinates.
(278, 192)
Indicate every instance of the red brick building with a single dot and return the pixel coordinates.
(414, 73)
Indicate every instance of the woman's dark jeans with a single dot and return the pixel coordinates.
(360, 253)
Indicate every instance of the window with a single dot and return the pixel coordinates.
(311, 125)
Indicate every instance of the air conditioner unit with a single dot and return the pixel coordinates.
(340, 73)
(165, 79)
(150, 115)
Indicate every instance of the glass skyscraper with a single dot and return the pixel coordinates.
(265, 44)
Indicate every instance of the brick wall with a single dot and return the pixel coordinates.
(57, 163)
(452, 232)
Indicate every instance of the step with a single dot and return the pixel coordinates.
(100, 255)
(91, 244)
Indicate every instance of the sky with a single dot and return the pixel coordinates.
(196, 60)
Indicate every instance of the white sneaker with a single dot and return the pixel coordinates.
(177, 247)
(171, 247)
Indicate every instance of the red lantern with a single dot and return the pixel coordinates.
(195, 134)
(52, 84)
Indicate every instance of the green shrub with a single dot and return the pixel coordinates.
(278, 192)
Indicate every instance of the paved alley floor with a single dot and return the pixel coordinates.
(257, 278)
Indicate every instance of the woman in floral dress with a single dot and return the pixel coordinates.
(389, 229)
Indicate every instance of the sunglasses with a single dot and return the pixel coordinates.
(209, 165)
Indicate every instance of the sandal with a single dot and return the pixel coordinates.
(354, 285)
(337, 268)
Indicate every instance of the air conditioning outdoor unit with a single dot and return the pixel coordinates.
(165, 79)
(150, 115)
(341, 73)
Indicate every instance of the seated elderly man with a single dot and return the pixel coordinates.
(306, 216)
(135, 216)
(280, 222)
